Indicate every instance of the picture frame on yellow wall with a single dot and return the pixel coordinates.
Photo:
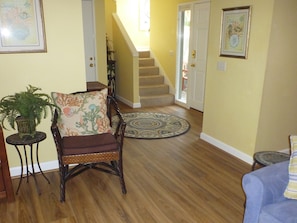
(235, 32)
(22, 27)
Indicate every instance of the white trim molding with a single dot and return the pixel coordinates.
(51, 165)
(127, 102)
(229, 149)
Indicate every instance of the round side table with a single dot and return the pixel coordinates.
(266, 158)
(28, 141)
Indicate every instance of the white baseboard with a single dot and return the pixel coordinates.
(184, 105)
(129, 103)
(229, 149)
(51, 165)
(287, 151)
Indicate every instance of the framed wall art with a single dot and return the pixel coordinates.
(235, 32)
(22, 26)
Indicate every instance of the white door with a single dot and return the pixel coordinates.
(89, 40)
(192, 53)
(198, 55)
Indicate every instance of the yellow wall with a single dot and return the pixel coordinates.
(250, 106)
(100, 40)
(126, 66)
(278, 109)
(233, 98)
(241, 109)
(163, 34)
(110, 8)
(128, 11)
(60, 69)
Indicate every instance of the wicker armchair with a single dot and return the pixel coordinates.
(102, 152)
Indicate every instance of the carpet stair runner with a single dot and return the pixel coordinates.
(152, 90)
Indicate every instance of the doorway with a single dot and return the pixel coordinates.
(193, 23)
(89, 40)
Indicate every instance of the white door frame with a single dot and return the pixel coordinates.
(89, 42)
(179, 54)
(192, 90)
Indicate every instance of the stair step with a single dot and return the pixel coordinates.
(153, 90)
(144, 54)
(144, 62)
(151, 80)
(158, 100)
(149, 70)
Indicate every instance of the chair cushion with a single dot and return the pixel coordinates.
(291, 190)
(279, 212)
(77, 145)
(82, 113)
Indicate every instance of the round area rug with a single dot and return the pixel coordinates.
(151, 125)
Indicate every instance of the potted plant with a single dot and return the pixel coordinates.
(25, 108)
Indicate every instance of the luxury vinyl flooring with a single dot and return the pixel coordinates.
(179, 180)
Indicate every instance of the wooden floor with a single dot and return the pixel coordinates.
(175, 180)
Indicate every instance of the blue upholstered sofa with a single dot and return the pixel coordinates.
(265, 201)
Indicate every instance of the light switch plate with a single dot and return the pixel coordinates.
(222, 65)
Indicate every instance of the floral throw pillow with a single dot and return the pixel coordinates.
(291, 189)
(82, 113)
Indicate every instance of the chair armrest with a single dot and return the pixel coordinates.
(113, 109)
(264, 186)
(56, 134)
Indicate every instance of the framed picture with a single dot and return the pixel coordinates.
(21, 26)
(235, 32)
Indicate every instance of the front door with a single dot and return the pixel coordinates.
(192, 58)
(89, 40)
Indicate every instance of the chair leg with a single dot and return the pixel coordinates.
(64, 170)
(118, 167)
(123, 185)
(121, 175)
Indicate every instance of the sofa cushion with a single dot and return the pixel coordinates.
(279, 212)
(291, 190)
(82, 113)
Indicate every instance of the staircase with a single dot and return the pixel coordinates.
(152, 90)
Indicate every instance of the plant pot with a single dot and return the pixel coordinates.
(25, 126)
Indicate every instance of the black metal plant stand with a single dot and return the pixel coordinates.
(111, 76)
(25, 142)
(111, 68)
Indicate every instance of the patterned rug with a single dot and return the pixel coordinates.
(150, 125)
